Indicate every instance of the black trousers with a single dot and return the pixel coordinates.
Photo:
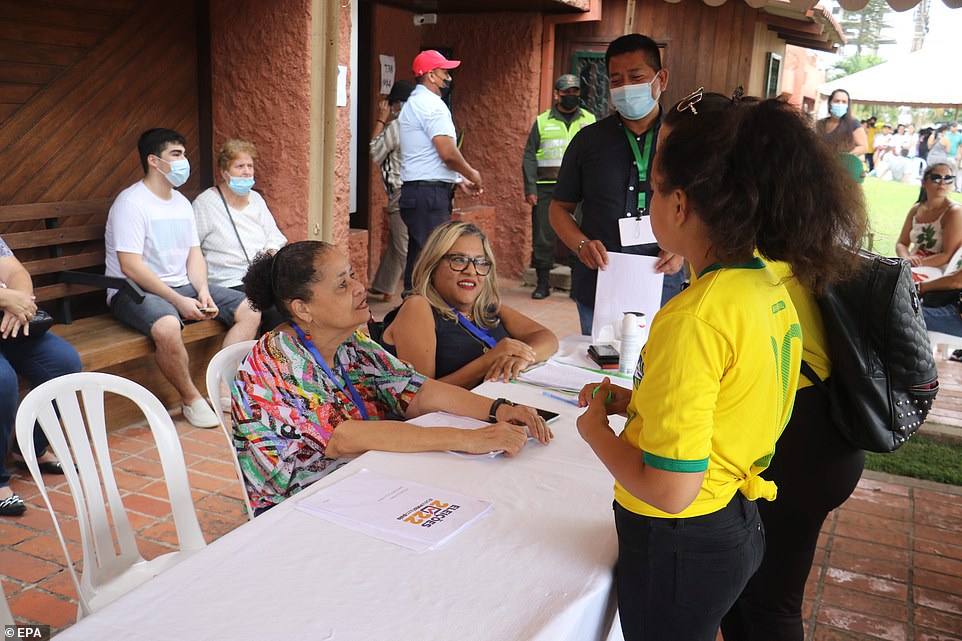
(424, 206)
(676, 578)
(815, 470)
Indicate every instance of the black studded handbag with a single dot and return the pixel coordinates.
(884, 377)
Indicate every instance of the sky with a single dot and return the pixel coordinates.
(945, 28)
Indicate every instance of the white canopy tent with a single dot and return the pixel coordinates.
(917, 79)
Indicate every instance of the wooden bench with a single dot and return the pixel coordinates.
(62, 246)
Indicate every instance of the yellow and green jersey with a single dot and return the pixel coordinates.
(715, 385)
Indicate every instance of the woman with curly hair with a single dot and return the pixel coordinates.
(715, 383)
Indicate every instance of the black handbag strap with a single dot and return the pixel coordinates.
(810, 374)
(232, 224)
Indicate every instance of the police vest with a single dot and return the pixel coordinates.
(555, 137)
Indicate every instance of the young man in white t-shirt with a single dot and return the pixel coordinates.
(151, 238)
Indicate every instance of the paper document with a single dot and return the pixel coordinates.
(443, 419)
(562, 377)
(629, 284)
(418, 517)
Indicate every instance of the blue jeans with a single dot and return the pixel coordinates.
(943, 319)
(670, 289)
(37, 359)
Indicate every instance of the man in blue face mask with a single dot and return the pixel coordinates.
(607, 169)
(151, 239)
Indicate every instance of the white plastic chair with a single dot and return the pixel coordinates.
(6, 617)
(222, 369)
(112, 564)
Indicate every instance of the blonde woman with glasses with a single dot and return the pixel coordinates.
(453, 327)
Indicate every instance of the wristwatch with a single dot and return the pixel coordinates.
(498, 402)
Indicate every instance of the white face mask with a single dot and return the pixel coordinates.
(634, 102)
(179, 171)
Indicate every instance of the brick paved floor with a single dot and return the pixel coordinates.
(888, 566)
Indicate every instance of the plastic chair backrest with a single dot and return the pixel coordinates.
(6, 617)
(112, 564)
(222, 369)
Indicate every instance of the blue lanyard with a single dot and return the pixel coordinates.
(312, 348)
(476, 331)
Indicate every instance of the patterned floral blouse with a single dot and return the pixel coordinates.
(285, 408)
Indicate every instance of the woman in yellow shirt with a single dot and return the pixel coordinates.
(715, 384)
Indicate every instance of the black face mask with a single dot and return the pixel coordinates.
(569, 102)
(446, 85)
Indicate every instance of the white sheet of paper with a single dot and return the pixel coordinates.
(409, 514)
(566, 378)
(387, 73)
(636, 230)
(629, 284)
(443, 419)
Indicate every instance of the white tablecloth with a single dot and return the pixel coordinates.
(537, 567)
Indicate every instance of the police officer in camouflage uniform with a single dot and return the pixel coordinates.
(549, 137)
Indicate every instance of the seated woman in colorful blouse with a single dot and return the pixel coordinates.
(314, 392)
(453, 327)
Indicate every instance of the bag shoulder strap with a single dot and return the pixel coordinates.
(232, 224)
(810, 374)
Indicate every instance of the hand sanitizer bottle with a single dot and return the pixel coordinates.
(630, 345)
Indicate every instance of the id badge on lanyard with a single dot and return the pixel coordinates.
(636, 230)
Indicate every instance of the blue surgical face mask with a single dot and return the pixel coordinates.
(634, 102)
(179, 171)
(240, 185)
(838, 109)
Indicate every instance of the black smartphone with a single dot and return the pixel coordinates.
(603, 354)
(547, 415)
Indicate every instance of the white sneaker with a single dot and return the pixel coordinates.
(199, 414)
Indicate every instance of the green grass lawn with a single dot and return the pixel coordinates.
(921, 458)
(888, 204)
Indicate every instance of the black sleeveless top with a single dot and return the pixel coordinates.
(456, 346)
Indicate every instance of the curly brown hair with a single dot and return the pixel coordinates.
(760, 178)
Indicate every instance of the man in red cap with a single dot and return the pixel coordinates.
(431, 163)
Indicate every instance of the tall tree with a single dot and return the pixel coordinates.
(864, 28)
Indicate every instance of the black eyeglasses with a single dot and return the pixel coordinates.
(460, 262)
(938, 179)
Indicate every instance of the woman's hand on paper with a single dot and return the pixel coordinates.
(501, 436)
(615, 400)
(522, 415)
(507, 368)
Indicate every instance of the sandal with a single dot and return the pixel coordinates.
(13, 505)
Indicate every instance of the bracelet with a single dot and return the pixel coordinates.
(580, 245)
(382, 122)
(498, 402)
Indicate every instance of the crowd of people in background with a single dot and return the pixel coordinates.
(902, 153)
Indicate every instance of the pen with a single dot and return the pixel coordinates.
(561, 398)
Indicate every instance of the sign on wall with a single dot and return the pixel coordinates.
(387, 73)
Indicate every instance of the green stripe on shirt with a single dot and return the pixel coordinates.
(674, 465)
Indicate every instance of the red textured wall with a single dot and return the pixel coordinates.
(260, 68)
(495, 104)
(342, 152)
(393, 33)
